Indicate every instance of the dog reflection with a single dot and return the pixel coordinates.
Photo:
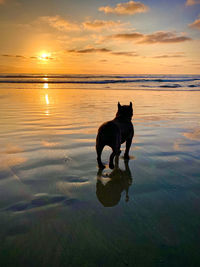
(109, 187)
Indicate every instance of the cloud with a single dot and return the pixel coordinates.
(59, 23)
(70, 40)
(164, 37)
(14, 56)
(192, 2)
(99, 24)
(24, 57)
(89, 50)
(126, 36)
(176, 55)
(2, 2)
(129, 8)
(129, 54)
(154, 38)
(102, 50)
(195, 24)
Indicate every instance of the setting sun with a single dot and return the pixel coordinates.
(44, 56)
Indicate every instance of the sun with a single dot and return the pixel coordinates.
(44, 56)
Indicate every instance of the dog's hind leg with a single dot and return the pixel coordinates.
(99, 149)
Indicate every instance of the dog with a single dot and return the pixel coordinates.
(114, 133)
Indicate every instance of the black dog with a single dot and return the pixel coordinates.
(114, 133)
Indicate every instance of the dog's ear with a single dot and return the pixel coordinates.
(119, 106)
(131, 104)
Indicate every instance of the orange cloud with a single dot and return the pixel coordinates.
(99, 24)
(102, 50)
(89, 50)
(129, 8)
(195, 24)
(192, 2)
(176, 55)
(125, 36)
(164, 37)
(125, 53)
(15, 56)
(24, 57)
(154, 38)
(59, 23)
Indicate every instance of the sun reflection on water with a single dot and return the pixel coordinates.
(45, 86)
(47, 99)
(47, 103)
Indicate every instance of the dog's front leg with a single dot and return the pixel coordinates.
(128, 145)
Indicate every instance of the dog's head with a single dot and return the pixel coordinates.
(125, 111)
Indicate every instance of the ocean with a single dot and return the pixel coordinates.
(128, 82)
(58, 209)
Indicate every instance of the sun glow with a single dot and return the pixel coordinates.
(44, 56)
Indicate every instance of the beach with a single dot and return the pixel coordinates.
(51, 213)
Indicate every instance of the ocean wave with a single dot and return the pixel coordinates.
(110, 81)
(8, 75)
(157, 89)
(171, 86)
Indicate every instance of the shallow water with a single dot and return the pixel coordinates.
(57, 210)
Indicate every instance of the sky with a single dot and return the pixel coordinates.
(100, 36)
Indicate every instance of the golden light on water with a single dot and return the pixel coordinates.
(47, 99)
(45, 86)
(47, 103)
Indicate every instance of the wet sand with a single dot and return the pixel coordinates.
(57, 210)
